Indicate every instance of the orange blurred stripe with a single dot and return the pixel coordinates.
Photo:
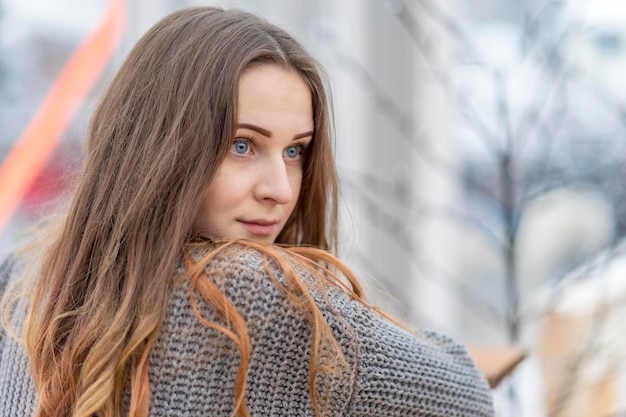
(31, 152)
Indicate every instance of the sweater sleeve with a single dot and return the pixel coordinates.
(402, 374)
(393, 372)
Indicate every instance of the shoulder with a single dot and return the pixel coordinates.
(273, 285)
(192, 354)
(250, 272)
(251, 282)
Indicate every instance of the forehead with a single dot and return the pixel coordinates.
(272, 89)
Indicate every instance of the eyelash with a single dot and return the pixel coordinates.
(302, 146)
(244, 139)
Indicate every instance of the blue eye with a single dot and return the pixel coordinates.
(292, 152)
(295, 151)
(240, 147)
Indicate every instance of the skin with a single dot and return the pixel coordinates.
(257, 186)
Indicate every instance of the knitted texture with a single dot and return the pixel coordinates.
(193, 367)
(17, 390)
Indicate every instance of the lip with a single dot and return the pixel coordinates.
(259, 227)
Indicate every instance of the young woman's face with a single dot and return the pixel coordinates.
(257, 186)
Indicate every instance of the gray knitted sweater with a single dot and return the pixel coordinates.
(192, 367)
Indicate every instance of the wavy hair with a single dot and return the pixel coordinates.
(155, 141)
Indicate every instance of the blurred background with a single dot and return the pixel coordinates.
(482, 154)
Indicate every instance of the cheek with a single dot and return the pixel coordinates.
(221, 193)
(216, 196)
(296, 186)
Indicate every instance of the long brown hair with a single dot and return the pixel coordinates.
(161, 130)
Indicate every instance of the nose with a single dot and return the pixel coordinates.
(274, 184)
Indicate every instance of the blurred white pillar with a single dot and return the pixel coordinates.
(387, 104)
(436, 299)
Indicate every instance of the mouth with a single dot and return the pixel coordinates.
(259, 227)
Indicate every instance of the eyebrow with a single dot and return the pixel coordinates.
(267, 133)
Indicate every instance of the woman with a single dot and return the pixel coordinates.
(139, 302)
